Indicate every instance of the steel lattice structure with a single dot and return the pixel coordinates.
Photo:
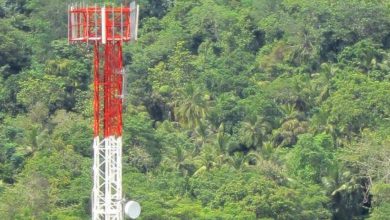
(106, 27)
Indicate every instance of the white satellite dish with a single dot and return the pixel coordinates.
(132, 209)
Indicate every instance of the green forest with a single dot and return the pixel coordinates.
(235, 109)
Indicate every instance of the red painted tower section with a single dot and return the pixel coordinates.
(108, 86)
(106, 28)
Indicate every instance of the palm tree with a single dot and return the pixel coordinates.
(205, 160)
(267, 149)
(292, 124)
(240, 160)
(222, 138)
(253, 133)
(289, 112)
(201, 135)
(320, 123)
(304, 47)
(328, 72)
(287, 134)
(193, 109)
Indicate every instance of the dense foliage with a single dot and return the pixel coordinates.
(236, 109)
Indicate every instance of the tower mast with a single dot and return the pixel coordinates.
(106, 27)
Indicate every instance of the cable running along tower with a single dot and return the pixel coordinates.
(106, 27)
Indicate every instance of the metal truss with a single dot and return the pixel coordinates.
(107, 174)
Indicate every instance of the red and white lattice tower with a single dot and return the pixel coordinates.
(106, 27)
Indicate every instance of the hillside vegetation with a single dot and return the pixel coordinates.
(235, 109)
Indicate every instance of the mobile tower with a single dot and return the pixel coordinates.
(106, 27)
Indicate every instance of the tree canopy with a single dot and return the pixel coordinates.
(235, 109)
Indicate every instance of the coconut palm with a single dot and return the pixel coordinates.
(206, 159)
(193, 109)
(289, 112)
(222, 138)
(292, 124)
(240, 160)
(253, 133)
(328, 71)
(287, 134)
(200, 134)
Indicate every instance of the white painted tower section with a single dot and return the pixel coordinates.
(107, 173)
